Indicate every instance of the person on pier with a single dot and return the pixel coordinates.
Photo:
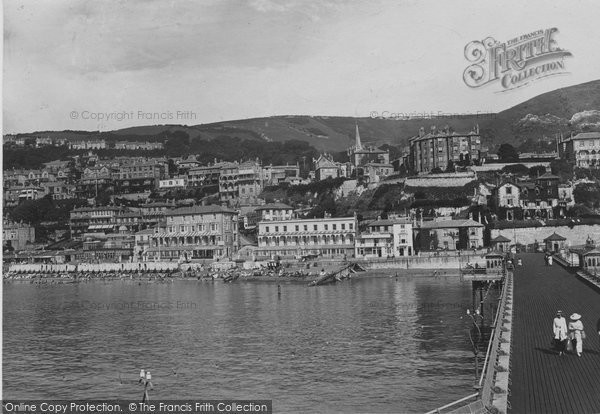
(576, 333)
(559, 328)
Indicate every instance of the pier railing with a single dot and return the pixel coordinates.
(489, 382)
(489, 376)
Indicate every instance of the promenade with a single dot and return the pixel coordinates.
(540, 380)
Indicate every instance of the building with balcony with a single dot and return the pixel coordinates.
(101, 219)
(250, 182)
(581, 150)
(327, 237)
(386, 238)
(228, 182)
(438, 148)
(196, 233)
(275, 174)
(204, 175)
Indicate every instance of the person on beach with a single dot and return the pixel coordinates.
(559, 327)
(576, 333)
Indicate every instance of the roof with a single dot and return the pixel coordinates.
(548, 176)
(587, 135)
(500, 239)
(448, 224)
(199, 210)
(555, 237)
(389, 222)
(274, 206)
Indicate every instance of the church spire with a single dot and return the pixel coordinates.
(358, 144)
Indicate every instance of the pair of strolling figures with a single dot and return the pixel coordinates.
(568, 337)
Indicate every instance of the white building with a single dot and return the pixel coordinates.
(172, 183)
(326, 237)
(275, 212)
(386, 238)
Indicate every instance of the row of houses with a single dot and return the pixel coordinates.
(157, 232)
(542, 197)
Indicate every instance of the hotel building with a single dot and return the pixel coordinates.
(199, 232)
(326, 237)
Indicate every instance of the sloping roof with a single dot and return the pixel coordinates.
(555, 237)
(500, 239)
(548, 176)
(199, 210)
(446, 224)
(587, 135)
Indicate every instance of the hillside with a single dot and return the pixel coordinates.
(525, 125)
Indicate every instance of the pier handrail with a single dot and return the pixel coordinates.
(468, 397)
(493, 335)
(488, 379)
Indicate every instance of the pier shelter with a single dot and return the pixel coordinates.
(500, 243)
(555, 242)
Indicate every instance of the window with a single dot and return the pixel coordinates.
(284, 228)
(267, 229)
(334, 227)
(351, 226)
(508, 190)
(297, 227)
(305, 227)
(326, 226)
(276, 228)
(182, 228)
(343, 226)
(315, 227)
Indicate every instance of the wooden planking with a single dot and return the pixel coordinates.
(541, 381)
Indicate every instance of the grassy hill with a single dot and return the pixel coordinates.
(523, 125)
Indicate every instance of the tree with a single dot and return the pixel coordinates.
(450, 168)
(518, 169)
(507, 153)
(537, 170)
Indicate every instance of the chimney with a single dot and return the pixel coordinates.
(433, 129)
(421, 131)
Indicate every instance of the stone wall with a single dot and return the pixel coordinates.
(529, 235)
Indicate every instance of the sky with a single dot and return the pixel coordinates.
(103, 65)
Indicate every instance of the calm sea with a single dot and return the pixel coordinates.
(364, 345)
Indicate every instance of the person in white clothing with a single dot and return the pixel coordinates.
(576, 332)
(559, 327)
(550, 260)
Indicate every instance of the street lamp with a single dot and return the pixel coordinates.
(475, 343)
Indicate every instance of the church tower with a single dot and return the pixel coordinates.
(358, 144)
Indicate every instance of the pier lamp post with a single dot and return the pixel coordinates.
(145, 378)
(475, 343)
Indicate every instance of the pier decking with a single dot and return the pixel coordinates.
(540, 380)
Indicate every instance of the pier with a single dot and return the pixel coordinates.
(541, 381)
(522, 373)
